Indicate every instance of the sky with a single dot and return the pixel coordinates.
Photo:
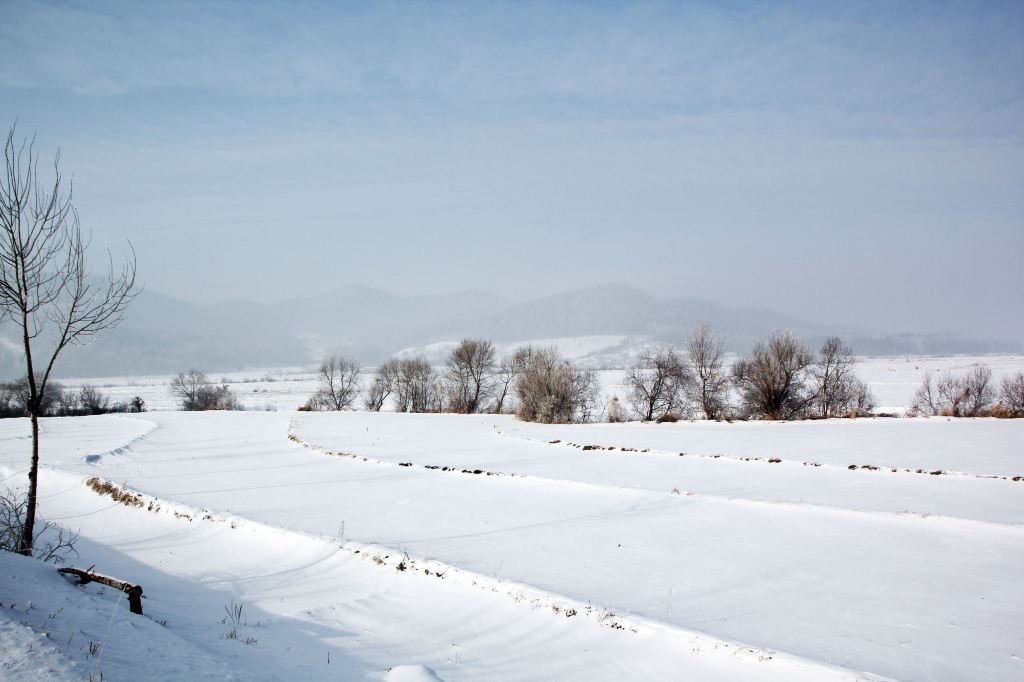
(847, 162)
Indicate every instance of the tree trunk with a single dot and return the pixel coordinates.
(33, 477)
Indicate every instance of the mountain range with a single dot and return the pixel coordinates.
(162, 335)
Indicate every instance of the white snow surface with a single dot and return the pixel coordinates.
(356, 555)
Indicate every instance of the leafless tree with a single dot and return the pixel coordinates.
(195, 393)
(657, 385)
(417, 387)
(952, 395)
(470, 375)
(187, 386)
(510, 368)
(339, 383)
(711, 382)
(555, 391)
(1011, 394)
(979, 392)
(92, 401)
(840, 392)
(774, 382)
(46, 289)
(383, 385)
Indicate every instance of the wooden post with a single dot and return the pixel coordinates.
(134, 592)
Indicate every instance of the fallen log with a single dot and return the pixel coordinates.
(134, 592)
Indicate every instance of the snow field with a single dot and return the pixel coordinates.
(906, 575)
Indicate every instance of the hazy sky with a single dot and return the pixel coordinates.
(850, 162)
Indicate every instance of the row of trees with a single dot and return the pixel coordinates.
(16, 401)
(972, 394)
(780, 379)
(537, 383)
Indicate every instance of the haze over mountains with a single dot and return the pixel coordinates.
(162, 335)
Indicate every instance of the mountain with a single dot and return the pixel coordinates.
(162, 335)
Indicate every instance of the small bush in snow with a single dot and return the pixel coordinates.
(195, 393)
(555, 391)
(953, 395)
(51, 542)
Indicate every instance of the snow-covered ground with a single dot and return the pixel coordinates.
(475, 547)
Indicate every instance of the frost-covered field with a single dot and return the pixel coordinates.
(480, 547)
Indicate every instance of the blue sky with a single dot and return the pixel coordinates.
(850, 162)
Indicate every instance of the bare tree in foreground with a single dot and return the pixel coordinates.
(657, 384)
(470, 375)
(339, 383)
(774, 382)
(710, 380)
(46, 289)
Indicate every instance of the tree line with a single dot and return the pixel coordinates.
(58, 401)
(781, 378)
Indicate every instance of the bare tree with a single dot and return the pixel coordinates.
(92, 401)
(417, 387)
(46, 290)
(1011, 394)
(195, 393)
(774, 382)
(657, 384)
(339, 383)
(711, 382)
(840, 392)
(952, 395)
(555, 391)
(383, 385)
(510, 368)
(470, 375)
(979, 392)
(187, 386)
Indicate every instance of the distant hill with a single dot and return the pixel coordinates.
(163, 335)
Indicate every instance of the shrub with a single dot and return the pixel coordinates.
(775, 381)
(195, 393)
(555, 391)
(1011, 395)
(969, 395)
(51, 541)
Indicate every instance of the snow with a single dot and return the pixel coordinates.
(356, 554)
